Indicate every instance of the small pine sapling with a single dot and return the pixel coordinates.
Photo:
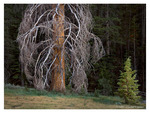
(128, 87)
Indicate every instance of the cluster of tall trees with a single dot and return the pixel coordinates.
(12, 17)
(122, 29)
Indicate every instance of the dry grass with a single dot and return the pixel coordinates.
(44, 102)
(16, 97)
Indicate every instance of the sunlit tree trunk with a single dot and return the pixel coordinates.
(58, 74)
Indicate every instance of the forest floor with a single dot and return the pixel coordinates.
(16, 97)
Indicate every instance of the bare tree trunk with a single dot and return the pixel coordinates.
(129, 30)
(44, 46)
(58, 75)
(143, 45)
(107, 31)
(134, 48)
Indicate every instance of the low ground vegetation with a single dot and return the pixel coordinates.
(16, 97)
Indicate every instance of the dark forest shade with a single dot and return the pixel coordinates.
(127, 37)
(12, 69)
(122, 29)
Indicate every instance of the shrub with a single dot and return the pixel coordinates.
(96, 93)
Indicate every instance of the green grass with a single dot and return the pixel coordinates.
(18, 90)
(109, 100)
(17, 97)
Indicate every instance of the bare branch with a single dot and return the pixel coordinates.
(37, 45)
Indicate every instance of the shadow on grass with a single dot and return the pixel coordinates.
(23, 91)
(18, 90)
(108, 100)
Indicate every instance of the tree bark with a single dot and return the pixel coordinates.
(134, 48)
(107, 31)
(58, 74)
(129, 29)
(143, 46)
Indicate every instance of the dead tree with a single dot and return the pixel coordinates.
(54, 39)
(58, 77)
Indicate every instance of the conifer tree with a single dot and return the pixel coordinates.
(128, 87)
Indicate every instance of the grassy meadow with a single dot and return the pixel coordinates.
(16, 97)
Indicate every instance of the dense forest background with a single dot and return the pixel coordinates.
(122, 29)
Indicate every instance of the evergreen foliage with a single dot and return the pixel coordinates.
(101, 20)
(103, 74)
(12, 18)
(128, 87)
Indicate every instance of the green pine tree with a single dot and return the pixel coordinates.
(128, 87)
